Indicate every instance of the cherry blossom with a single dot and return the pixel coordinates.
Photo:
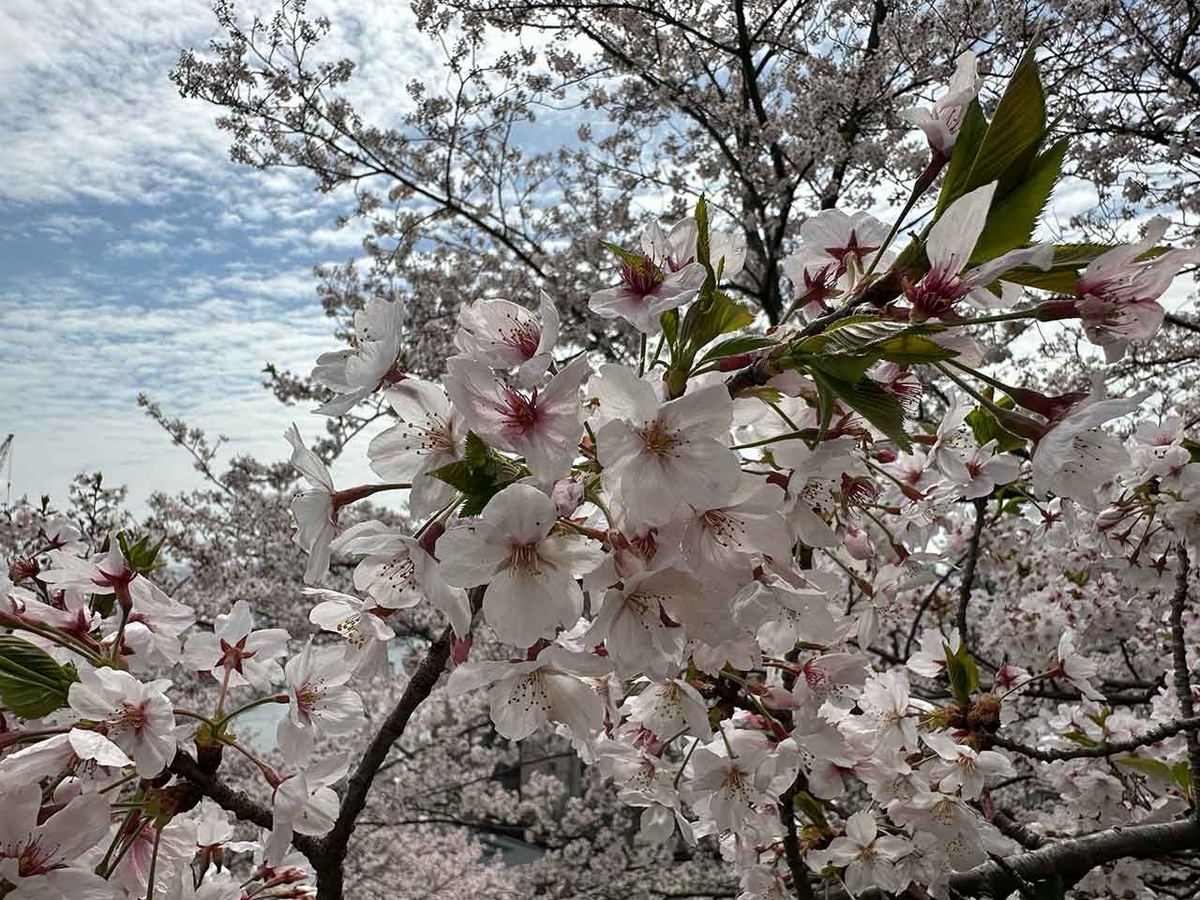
(1118, 292)
(38, 857)
(712, 574)
(1069, 447)
(505, 336)
(631, 621)
(849, 241)
(942, 124)
(398, 573)
(646, 292)
(963, 768)
(950, 243)
(319, 703)
(429, 435)
(678, 446)
(313, 508)
(241, 654)
(1075, 667)
(137, 717)
(524, 696)
(528, 567)
(361, 623)
(356, 373)
(304, 803)
(544, 426)
(868, 856)
(664, 708)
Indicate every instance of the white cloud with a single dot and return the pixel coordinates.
(63, 227)
(82, 363)
(138, 248)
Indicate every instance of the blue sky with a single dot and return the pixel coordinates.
(135, 257)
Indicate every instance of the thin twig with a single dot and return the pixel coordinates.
(1153, 736)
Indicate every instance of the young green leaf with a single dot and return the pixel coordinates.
(32, 684)
(868, 399)
(737, 346)
(1013, 217)
(966, 148)
(1016, 128)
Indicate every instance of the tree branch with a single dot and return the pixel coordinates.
(235, 801)
(791, 841)
(1075, 857)
(332, 855)
(1183, 680)
(1153, 736)
(968, 579)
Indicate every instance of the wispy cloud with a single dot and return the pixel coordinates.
(137, 257)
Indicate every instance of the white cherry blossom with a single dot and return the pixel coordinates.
(544, 426)
(505, 336)
(524, 696)
(678, 446)
(529, 568)
(429, 434)
(136, 717)
(319, 703)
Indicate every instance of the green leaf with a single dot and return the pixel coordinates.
(1078, 737)
(809, 807)
(461, 475)
(1069, 261)
(962, 157)
(849, 367)
(1181, 773)
(712, 315)
(1059, 281)
(737, 346)
(670, 326)
(911, 349)
(1151, 767)
(626, 256)
(863, 333)
(475, 451)
(986, 427)
(703, 251)
(480, 475)
(473, 504)
(141, 557)
(852, 333)
(1013, 217)
(868, 399)
(1015, 130)
(963, 674)
(32, 684)
(1078, 577)
(826, 399)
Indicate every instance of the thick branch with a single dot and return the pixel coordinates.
(1075, 857)
(1180, 322)
(1183, 680)
(237, 802)
(791, 841)
(333, 845)
(968, 579)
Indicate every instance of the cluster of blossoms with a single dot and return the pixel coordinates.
(690, 557)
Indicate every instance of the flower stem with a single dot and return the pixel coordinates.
(273, 698)
(153, 863)
(805, 434)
